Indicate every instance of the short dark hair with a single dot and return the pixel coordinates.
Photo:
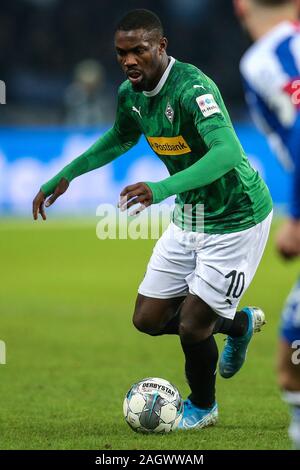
(272, 3)
(140, 19)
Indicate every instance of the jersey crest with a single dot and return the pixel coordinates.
(169, 113)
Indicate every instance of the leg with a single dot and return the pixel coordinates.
(241, 253)
(289, 366)
(201, 353)
(157, 316)
(288, 369)
(235, 350)
(164, 286)
(197, 321)
(235, 328)
(289, 381)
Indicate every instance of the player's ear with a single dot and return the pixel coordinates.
(163, 43)
(240, 7)
(297, 4)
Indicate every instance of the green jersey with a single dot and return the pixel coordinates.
(175, 118)
(186, 124)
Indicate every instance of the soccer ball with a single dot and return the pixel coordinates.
(153, 406)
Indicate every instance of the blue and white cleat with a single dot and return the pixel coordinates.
(197, 418)
(235, 350)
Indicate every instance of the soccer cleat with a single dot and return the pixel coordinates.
(197, 418)
(235, 350)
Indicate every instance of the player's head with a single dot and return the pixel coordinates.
(141, 48)
(252, 13)
(297, 3)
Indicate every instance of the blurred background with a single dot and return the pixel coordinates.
(58, 62)
(55, 54)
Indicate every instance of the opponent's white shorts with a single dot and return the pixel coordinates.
(216, 268)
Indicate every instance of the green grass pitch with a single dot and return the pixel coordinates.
(66, 300)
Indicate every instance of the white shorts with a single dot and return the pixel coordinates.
(216, 268)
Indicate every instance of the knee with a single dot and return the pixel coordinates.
(288, 381)
(197, 321)
(146, 325)
(283, 381)
(190, 333)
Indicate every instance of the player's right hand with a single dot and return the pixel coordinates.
(39, 204)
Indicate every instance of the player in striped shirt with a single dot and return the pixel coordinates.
(271, 73)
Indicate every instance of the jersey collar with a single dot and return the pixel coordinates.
(162, 81)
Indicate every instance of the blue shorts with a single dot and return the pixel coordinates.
(290, 322)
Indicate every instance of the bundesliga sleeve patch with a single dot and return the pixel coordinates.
(207, 105)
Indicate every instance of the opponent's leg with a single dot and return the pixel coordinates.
(289, 381)
(289, 361)
(197, 322)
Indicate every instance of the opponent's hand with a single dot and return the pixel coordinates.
(288, 239)
(39, 204)
(134, 194)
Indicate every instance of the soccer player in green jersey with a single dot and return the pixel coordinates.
(194, 280)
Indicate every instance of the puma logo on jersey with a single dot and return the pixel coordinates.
(199, 86)
(137, 111)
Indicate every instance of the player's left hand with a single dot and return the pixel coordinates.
(288, 239)
(134, 194)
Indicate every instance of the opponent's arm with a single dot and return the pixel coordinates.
(294, 144)
(288, 237)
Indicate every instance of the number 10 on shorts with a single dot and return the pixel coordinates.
(237, 284)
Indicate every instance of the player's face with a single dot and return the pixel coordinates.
(242, 10)
(141, 55)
